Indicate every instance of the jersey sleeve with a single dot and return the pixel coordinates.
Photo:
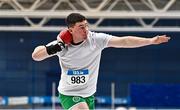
(102, 39)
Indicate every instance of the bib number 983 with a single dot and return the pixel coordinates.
(78, 77)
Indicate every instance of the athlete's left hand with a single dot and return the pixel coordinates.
(65, 36)
(160, 39)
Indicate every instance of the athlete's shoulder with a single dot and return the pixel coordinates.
(91, 33)
(99, 34)
(95, 34)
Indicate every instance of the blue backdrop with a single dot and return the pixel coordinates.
(21, 76)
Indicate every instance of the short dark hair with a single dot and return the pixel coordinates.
(73, 18)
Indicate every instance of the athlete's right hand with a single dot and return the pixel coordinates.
(65, 36)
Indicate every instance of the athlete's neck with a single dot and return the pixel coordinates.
(76, 43)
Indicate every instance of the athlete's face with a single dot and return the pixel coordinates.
(80, 30)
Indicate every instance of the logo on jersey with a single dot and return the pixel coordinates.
(76, 99)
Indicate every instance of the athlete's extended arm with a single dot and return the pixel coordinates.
(44, 51)
(133, 42)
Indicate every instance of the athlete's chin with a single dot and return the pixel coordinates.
(85, 37)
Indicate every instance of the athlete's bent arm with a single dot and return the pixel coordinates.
(45, 51)
(133, 42)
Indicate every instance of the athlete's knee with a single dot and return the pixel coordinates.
(80, 106)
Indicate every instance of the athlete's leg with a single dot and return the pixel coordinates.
(91, 102)
(73, 102)
(87, 105)
(80, 106)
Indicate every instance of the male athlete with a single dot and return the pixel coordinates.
(79, 51)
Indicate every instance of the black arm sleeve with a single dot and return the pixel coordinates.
(55, 47)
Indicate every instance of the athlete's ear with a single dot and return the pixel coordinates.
(70, 30)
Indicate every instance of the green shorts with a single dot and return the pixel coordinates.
(68, 101)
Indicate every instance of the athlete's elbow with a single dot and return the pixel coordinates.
(36, 57)
(39, 53)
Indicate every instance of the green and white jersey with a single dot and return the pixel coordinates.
(80, 65)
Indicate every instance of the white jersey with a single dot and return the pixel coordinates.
(80, 65)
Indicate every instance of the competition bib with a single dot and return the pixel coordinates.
(78, 77)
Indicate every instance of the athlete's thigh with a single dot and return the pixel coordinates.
(91, 102)
(80, 106)
(72, 102)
